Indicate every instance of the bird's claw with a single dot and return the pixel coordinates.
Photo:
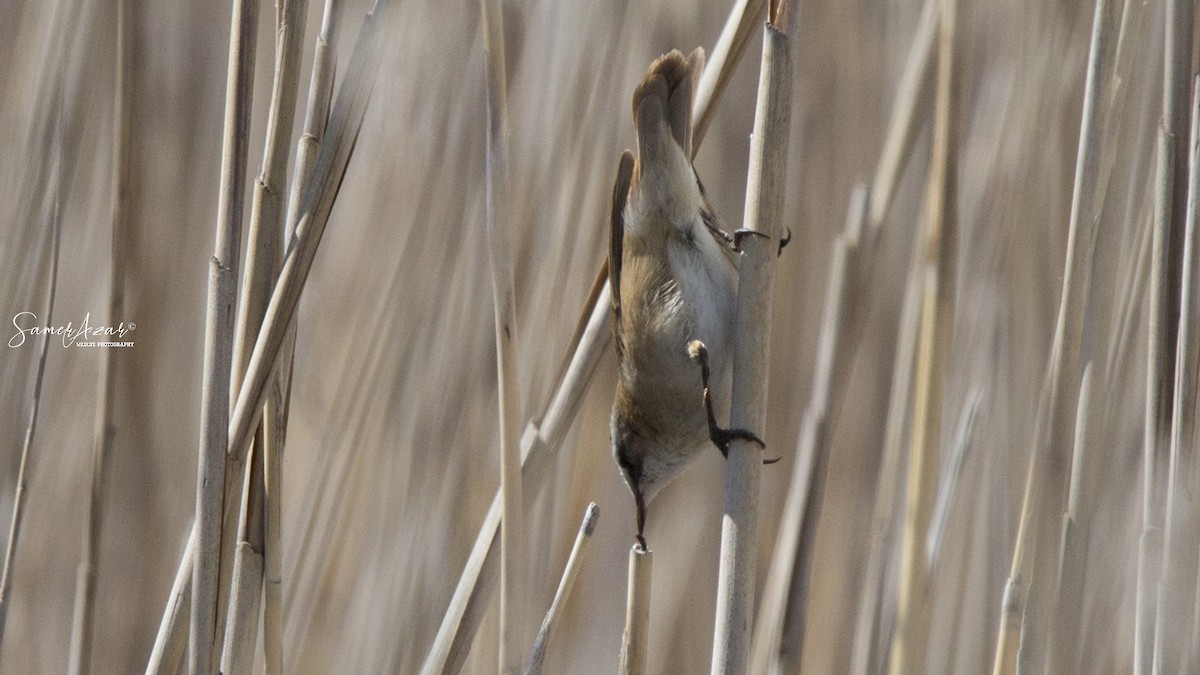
(740, 234)
(784, 240)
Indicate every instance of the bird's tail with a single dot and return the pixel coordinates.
(662, 103)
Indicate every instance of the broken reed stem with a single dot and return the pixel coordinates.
(245, 505)
(20, 494)
(751, 345)
(514, 572)
(933, 352)
(79, 660)
(779, 636)
(203, 647)
(463, 613)
(635, 646)
(1056, 404)
(570, 573)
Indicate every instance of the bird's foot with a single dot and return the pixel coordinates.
(719, 436)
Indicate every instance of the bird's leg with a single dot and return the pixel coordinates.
(784, 240)
(720, 437)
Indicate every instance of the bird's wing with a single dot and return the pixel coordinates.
(616, 245)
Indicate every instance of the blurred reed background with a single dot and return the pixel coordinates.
(391, 460)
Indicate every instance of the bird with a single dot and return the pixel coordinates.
(673, 280)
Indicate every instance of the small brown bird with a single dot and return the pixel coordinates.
(673, 276)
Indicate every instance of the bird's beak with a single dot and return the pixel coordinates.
(641, 516)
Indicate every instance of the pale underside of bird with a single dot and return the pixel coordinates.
(673, 276)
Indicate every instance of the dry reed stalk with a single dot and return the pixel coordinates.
(104, 432)
(751, 346)
(1056, 404)
(245, 510)
(171, 640)
(333, 157)
(465, 610)
(779, 636)
(911, 104)
(722, 62)
(19, 496)
(514, 572)
(873, 626)
(1155, 422)
(320, 93)
(635, 647)
(203, 646)
(1063, 644)
(563, 593)
(939, 242)
(1180, 537)
(948, 484)
(868, 647)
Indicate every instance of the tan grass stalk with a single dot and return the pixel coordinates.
(104, 432)
(316, 205)
(1180, 537)
(171, 640)
(316, 117)
(245, 510)
(1056, 405)
(465, 610)
(751, 345)
(203, 646)
(20, 494)
(1063, 644)
(635, 646)
(570, 573)
(911, 105)
(1155, 423)
(939, 242)
(743, 19)
(948, 484)
(514, 572)
(779, 635)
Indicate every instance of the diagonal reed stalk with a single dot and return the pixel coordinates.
(937, 270)
(262, 267)
(563, 593)
(21, 493)
(475, 584)
(79, 660)
(1056, 404)
(203, 645)
(514, 572)
(751, 345)
(779, 636)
